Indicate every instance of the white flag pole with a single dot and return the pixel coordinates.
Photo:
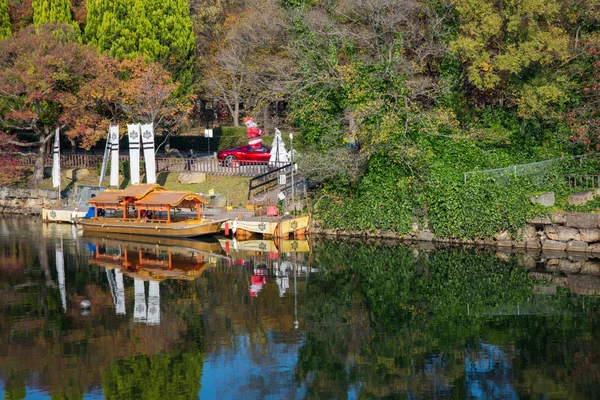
(107, 150)
(134, 152)
(114, 154)
(148, 145)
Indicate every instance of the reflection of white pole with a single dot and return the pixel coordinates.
(56, 161)
(60, 268)
(120, 306)
(295, 293)
(153, 303)
(139, 310)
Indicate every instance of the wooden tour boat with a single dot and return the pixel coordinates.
(150, 209)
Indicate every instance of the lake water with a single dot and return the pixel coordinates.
(322, 319)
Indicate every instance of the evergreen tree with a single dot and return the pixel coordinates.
(5, 30)
(158, 29)
(53, 11)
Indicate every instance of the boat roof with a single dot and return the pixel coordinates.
(140, 190)
(171, 198)
(107, 197)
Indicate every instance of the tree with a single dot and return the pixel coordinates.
(250, 65)
(522, 53)
(5, 27)
(42, 72)
(159, 30)
(53, 11)
(148, 94)
(9, 173)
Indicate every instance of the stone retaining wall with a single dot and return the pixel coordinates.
(560, 232)
(26, 201)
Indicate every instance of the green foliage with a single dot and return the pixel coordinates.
(230, 136)
(53, 11)
(5, 27)
(165, 375)
(159, 30)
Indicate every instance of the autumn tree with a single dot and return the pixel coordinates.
(522, 53)
(249, 64)
(149, 94)
(159, 30)
(42, 72)
(5, 27)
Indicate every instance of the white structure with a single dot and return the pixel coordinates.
(148, 145)
(113, 134)
(279, 155)
(139, 308)
(133, 131)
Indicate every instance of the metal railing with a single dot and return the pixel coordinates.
(209, 166)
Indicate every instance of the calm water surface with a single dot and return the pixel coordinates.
(223, 320)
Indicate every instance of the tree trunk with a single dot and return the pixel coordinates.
(38, 168)
(236, 114)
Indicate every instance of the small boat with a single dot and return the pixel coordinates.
(150, 209)
(77, 207)
(283, 227)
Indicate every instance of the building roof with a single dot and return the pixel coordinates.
(141, 189)
(107, 197)
(172, 198)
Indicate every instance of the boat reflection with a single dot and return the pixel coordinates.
(152, 260)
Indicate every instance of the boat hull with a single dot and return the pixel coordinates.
(181, 229)
(61, 215)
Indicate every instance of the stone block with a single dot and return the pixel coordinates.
(589, 235)
(590, 268)
(189, 178)
(580, 198)
(594, 248)
(560, 233)
(584, 285)
(425, 236)
(530, 232)
(533, 244)
(554, 245)
(569, 267)
(577, 245)
(544, 199)
(558, 217)
(549, 290)
(543, 220)
(79, 174)
(504, 235)
(582, 220)
(504, 243)
(216, 201)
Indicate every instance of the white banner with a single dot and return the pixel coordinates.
(120, 306)
(134, 152)
(148, 144)
(60, 269)
(153, 303)
(114, 154)
(56, 161)
(139, 306)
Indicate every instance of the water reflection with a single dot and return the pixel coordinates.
(256, 319)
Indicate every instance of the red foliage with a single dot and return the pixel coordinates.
(9, 171)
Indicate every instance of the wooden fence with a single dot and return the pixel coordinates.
(580, 181)
(209, 166)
